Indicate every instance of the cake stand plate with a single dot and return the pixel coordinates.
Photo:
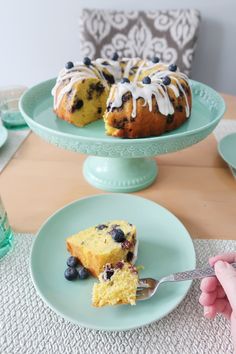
(119, 165)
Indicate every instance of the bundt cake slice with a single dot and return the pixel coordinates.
(109, 242)
(118, 285)
(84, 103)
(81, 90)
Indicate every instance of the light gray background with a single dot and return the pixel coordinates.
(38, 36)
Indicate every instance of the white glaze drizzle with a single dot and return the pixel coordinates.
(187, 108)
(113, 67)
(138, 72)
(136, 88)
(130, 63)
(147, 91)
(77, 73)
(80, 72)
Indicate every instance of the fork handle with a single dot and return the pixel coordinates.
(193, 274)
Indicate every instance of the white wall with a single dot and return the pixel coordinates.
(38, 36)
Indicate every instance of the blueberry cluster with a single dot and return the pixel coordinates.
(72, 273)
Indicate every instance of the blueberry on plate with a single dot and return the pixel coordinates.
(87, 61)
(117, 235)
(125, 80)
(115, 56)
(83, 273)
(72, 262)
(172, 67)
(147, 80)
(71, 273)
(155, 60)
(166, 80)
(69, 65)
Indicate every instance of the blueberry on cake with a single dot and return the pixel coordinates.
(109, 242)
(136, 98)
(117, 285)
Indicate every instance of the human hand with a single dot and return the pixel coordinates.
(219, 293)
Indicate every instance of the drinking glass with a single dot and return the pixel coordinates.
(6, 234)
(9, 107)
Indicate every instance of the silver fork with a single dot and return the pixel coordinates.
(147, 287)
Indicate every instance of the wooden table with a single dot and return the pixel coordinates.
(195, 184)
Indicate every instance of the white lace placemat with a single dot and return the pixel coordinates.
(225, 127)
(27, 325)
(14, 140)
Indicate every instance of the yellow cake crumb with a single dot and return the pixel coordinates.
(117, 285)
(86, 102)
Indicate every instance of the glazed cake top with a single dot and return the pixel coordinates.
(142, 78)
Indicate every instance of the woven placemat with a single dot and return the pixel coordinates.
(27, 325)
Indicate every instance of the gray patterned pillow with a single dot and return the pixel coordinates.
(169, 34)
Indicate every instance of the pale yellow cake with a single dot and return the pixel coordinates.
(118, 285)
(109, 242)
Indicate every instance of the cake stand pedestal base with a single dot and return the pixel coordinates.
(120, 174)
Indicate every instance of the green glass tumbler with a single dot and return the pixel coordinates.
(11, 116)
(6, 234)
(9, 111)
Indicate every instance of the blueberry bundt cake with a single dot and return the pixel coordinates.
(136, 98)
(118, 285)
(105, 243)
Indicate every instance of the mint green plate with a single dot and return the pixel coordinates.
(119, 165)
(227, 149)
(3, 135)
(164, 247)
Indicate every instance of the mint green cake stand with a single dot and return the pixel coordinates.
(119, 165)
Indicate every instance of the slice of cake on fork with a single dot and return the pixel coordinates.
(118, 285)
(109, 242)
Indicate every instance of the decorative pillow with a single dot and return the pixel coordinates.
(169, 34)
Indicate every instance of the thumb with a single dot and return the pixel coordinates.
(226, 275)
